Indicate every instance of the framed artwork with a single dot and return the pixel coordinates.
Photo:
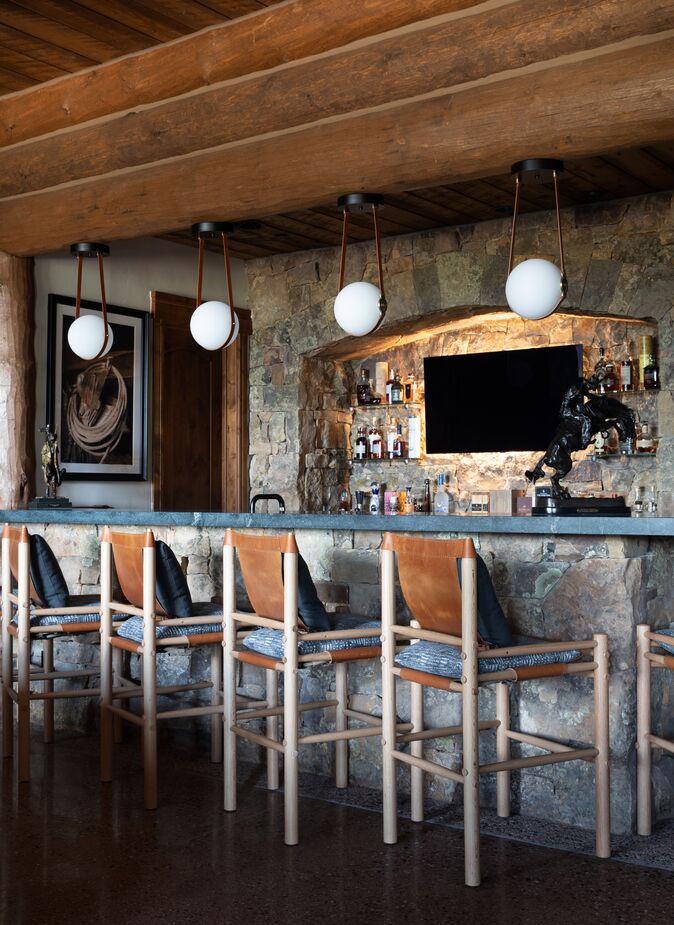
(99, 407)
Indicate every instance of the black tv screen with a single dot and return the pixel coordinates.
(490, 402)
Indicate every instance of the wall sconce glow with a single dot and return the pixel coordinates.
(214, 324)
(90, 336)
(535, 288)
(360, 307)
(86, 335)
(357, 308)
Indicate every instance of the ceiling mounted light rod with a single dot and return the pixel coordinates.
(214, 325)
(536, 287)
(90, 336)
(360, 307)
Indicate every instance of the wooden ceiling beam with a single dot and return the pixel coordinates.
(263, 40)
(449, 137)
(398, 66)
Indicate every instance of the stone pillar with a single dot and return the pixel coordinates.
(17, 380)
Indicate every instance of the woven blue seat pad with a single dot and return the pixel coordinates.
(133, 628)
(666, 647)
(56, 619)
(444, 660)
(270, 642)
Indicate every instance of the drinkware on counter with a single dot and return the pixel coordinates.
(344, 501)
(652, 501)
(360, 497)
(374, 498)
(409, 502)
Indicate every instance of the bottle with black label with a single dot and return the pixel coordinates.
(397, 391)
(375, 443)
(399, 443)
(627, 374)
(364, 388)
(651, 374)
(360, 450)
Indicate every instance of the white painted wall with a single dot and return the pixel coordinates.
(133, 270)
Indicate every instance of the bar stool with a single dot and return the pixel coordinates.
(438, 582)
(655, 649)
(149, 629)
(282, 646)
(27, 616)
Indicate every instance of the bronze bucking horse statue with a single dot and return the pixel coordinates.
(583, 415)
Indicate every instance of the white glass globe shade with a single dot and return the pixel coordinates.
(86, 335)
(236, 329)
(533, 289)
(211, 324)
(357, 308)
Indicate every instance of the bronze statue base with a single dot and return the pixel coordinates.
(581, 507)
(38, 503)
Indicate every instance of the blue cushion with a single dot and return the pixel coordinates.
(55, 619)
(46, 574)
(444, 660)
(133, 627)
(666, 647)
(270, 642)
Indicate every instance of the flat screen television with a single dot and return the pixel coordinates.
(491, 402)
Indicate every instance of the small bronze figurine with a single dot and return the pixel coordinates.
(49, 456)
(580, 421)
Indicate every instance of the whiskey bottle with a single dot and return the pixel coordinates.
(600, 371)
(391, 439)
(409, 502)
(364, 388)
(399, 443)
(375, 441)
(645, 441)
(627, 374)
(360, 451)
(397, 391)
(410, 388)
(651, 374)
(611, 381)
(427, 496)
(389, 386)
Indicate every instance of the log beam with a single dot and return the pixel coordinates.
(17, 380)
(258, 42)
(619, 99)
(400, 65)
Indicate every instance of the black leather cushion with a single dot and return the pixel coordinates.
(172, 591)
(491, 622)
(46, 574)
(310, 609)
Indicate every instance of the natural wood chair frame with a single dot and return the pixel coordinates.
(276, 599)
(16, 682)
(464, 636)
(142, 602)
(647, 659)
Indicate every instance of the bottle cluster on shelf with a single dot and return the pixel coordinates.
(376, 444)
(382, 499)
(388, 389)
(628, 374)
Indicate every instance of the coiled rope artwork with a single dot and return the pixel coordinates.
(97, 426)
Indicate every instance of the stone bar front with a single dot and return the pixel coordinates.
(556, 578)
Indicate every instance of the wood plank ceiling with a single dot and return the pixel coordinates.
(41, 40)
(44, 39)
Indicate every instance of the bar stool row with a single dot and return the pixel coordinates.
(286, 631)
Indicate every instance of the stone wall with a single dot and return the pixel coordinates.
(620, 261)
(564, 587)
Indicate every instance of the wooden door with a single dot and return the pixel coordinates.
(200, 414)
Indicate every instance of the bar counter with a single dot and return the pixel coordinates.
(558, 578)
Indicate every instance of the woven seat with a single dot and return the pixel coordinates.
(63, 619)
(665, 645)
(436, 658)
(270, 642)
(133, 627)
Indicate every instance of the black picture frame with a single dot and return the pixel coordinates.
(125, 460)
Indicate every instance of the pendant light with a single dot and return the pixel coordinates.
(536, 287)
(360, 307)
(214, 324)
(90, 335)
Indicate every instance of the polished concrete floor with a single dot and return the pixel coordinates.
(74, 851)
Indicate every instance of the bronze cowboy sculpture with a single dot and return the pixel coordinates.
(51, 470)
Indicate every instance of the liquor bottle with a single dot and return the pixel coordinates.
(441, 500)
(638, 503)
(410, 388)
(344, 501)
(374, 498)
(409, 502)
(391, 439)
(645, 441)
(652, 501)
(375, 441)
(627, 374)
(427, 496)
(414, 437)
(360, 451)
(399, 443)
(611, 381)
(389, 385)
(600, 371)
(397, 391)
(600, 443)
(645, 352)
(651, 374)
(364, 388)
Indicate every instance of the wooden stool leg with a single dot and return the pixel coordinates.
(291, 754)
(469, 696)
(341, 725)
(644, 753)
(216, 699)
(24, 703)
(117, 675)
(417, 750)
(388, 693)
(229, 682)
(149, 679)
(48, 708)
(7, 685)
(272, 724)
(503, 749)
(106, 723)
(601, 762)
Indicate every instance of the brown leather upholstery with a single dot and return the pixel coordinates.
(200, 639)
(17, 535)
(254, 658)
(668, 660)
(260, 558)
(127, 551)
(540, 671)
(118, 642)
(428, 680)
(429, 579)
(354, 655)
(521, 674)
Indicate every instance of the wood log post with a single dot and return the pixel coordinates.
(17, 380)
